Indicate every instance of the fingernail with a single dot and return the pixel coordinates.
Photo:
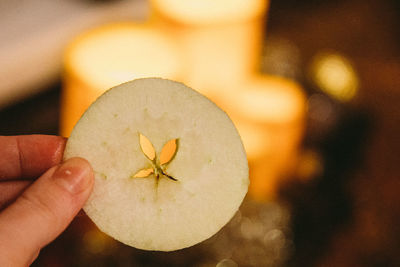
(74, 175)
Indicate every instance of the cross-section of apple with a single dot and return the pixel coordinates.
(170, 167)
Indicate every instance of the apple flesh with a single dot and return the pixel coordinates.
(133, 199)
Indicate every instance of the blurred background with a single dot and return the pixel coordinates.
(312, 86)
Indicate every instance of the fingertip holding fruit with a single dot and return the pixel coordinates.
(175, 165)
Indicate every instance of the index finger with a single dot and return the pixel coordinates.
(29, 156)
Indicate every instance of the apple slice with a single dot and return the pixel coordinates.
(170, 167)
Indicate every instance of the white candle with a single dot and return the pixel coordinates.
(111, 55)
(269, 113)
(202, 12)
(220, 40)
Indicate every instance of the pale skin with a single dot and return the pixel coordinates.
(39, 194)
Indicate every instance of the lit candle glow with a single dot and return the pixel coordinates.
(269, 113)
(209, 11)
(220, 40)
(111, 55)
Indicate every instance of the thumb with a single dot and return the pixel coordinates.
(43, 211)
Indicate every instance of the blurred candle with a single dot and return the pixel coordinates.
(269, 113)
(108, 56)
(221, 40)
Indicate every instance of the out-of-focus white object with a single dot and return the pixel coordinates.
(33, 35)
(209, 12)
(110, 55)
(221, 40)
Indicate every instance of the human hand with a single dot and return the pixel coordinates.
(34, 212)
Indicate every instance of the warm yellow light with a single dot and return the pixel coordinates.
(335, 75)
(118, 53)
(310, 165)
(210, 11)
(220, 56)
(263, 106)
(271, 99)
(220, 40)
(256, 142)
(109, 56)
(96, 242)
(269, 114)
